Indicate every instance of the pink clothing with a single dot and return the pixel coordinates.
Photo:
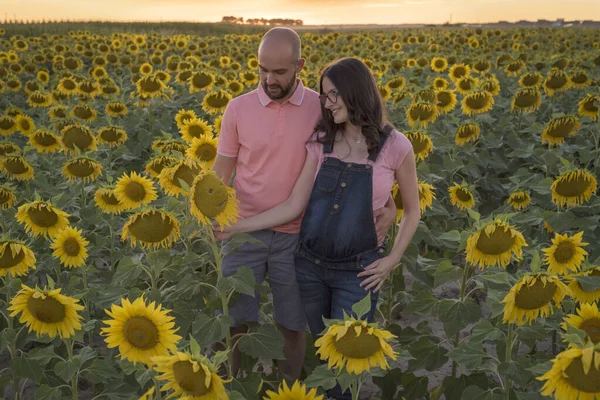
(269, 141)
(389, 160)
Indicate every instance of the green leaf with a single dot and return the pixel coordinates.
(474, 214)
(267, 342)
(500, 278)
(143, 376)
(452, 236)
(484, 331)
(101, 370)
(184, 185)
(194, 346)
(477, 393)
(86, 354)
(42, 355)
(446, 272)
(516, 370)
(220, 357)
(428, 354)
(536, 262)
(363, 307)
(541, 368)
(66, 369)
(235, 395)
(158, 260)
(27, 368)
(456, 314)
(588, 283)
(243, 281)
(210, 330)
(389, 383)
(128, 271)
(45, 392)
(424, 304)
(248, 386)
(471, 355)
(321, 377)
(529, 396)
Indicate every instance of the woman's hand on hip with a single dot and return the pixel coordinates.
(376, 273)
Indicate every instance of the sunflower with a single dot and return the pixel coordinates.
(477, 102)
(203, 149)
(519, 200)
(68, 86)
(44, 142)
(396, 83)
(421, 143)
(133, 190)
(7, 197)
(531, 79)
(575, 374)
(116, 109)
(587, 319)
(183, 116)
(514, 68)
(152, 228)
(439, 64)
(156, 165)
(166, 146)
(482, 66)
(150, 87)
(16, 167)
(421, 113)
(296, 392)
(426, 197)
(532, 297)
(201, 81)
(47, 312)
(210, 199)
(446, 100)
(458, 71)
(565, 254)
(580, 80)
(83, 112)
(355, 346)
(235, 87)
(140, 331)
(573, 188)
(8, 148)
(76, 136)
(556, 81)
(588, 106)
(195, 128)
(57, 112)
(559, 128)
(113, 136)
(69, 247)
(89, 89)
(25, 124)
(39, 99)
(527, 99)
(107, 201)
(190, 377)
(440, 84)
(466, 133)
(82, 168)
(490, 85)
(15, 258)
(466, 84)
(249, 78)
(185, 170)
(8, 125)
(577, 292)
(215, 102)
(461, 196)
(42, 218)
(495, 244)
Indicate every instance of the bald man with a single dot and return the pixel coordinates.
(263, 137)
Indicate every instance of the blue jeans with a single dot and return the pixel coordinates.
(328, 293)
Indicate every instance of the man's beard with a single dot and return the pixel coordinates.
(283, 91)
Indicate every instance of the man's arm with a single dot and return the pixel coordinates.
(224, 167)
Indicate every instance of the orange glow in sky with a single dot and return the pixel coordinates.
(310, 11)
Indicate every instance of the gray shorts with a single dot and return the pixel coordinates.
(276, 258)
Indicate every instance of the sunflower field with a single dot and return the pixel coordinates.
(111, 277)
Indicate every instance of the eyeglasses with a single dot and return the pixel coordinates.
(332, 95)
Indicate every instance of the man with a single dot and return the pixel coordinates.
(263, 136)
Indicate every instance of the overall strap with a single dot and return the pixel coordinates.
(382, 139)
(327, 148)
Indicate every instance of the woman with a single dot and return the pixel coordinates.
(352, 162)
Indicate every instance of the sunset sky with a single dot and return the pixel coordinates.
(310, 11)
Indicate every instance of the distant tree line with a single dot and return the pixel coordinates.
(262, 21)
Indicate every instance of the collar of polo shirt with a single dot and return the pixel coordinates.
(295, 99)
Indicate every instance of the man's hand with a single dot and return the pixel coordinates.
(384, 218)
(225, 234)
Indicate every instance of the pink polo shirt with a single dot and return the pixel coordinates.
(269, 141)
(390, 157)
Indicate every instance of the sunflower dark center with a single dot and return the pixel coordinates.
(201, 80)
(110, 199)
(444, 99)
(8, 149)
(151, 228)
(217, 100)
(141, 333)
(191, 382)
(464, 195)
(111, 134)
(83, 112)
(8, 259)
(174, 147)
(466, 131)
(465, 84)
(151, 85)
(421, 112)
(81, 169)
(498, 242)
(526, 99)
(69, 84)
(71, 247)
(195, 130)
(38, 98)
(477, 101)
(160, 163)
(530, 80)
(42, 216)
(135, 191)
(15, 166)
(210, 196)
(353, 346)
(5, 196)
(235, 86)
(579, 78)
(535, 296)
(185, 75)
(48, 310)
(564, 252)
(592, 328)
(116, 108)
(557, 81)
(88, 87)
(562, 128)
(186, 174)
(590, 105)
(45, 139)
(7, 123)
(576, 377)
(76, 136)
(398, 201)
(206, 152)
(25, 125)
(573, 185)
(419, 142)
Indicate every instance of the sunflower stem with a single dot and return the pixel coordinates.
(13, 343)
(157, 389)
(355, 388)
(69, 343)
(58, 274)
(112, 240)
(83, 196)
(508, 358)
(463, 287)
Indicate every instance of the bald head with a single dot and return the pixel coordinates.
(284, 41)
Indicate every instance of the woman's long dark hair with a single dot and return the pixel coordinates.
(356, 86)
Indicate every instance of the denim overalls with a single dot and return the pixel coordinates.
(337, 239)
